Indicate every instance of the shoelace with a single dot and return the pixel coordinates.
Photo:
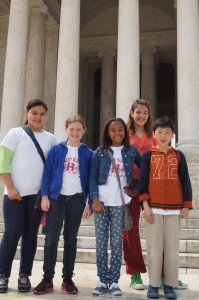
(2, 277)
(100, 284)
(23, 278)
(114, 286)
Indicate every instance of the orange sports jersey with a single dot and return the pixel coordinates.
(164, 179)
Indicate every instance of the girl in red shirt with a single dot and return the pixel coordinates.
(140, 135)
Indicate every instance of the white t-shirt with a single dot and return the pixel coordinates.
(166, 212)
(109, 193)
(26, 164)
(71, 177)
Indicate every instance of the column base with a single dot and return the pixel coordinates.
(190, 150)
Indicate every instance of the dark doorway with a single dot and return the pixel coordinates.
(166, 104)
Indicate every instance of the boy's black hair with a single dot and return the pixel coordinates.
(106, 141)
(163, 122)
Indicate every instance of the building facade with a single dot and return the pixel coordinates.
(93, 57)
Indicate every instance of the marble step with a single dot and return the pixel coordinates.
(186, 260)
(189, 227)
(86, 242)
(191, 246)
(184, 223)
(185, 234)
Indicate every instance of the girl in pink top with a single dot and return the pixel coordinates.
(140, 135)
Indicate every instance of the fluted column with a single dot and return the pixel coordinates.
(148, 77)
(83, 81)
(68, 65)
(107, 104)
(50, 77)
(89, 104)
(36, 54)
(15, 66)
(188, 74)
(128, 78)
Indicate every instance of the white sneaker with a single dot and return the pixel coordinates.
(181, 285)
(136, 282)
(100, 289)
(115, 290)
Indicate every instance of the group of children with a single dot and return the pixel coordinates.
(153, 175)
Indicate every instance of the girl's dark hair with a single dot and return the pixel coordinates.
(33, 103)
(131, 124)
(106, 141)
(36, 102)
(163, 122)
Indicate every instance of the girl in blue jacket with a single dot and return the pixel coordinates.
(107, 203)
(65, 184)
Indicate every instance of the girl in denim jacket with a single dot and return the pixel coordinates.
(106, 202)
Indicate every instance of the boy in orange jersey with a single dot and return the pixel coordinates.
(166, 195)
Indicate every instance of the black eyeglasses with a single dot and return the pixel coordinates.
(140, 101)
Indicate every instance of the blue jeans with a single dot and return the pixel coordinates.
(68, 209)
(111, 220)
(21, 219)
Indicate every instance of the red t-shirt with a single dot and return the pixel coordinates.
(135, 140)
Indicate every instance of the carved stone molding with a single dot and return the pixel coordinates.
(111, 52)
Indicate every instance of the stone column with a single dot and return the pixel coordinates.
(148, 77)
(36, 54)
(83, 81)
(107, 104)
(52, 36)
(89, 104)
(68, 65)
(128, 61)
(15, 66)
(188, 75)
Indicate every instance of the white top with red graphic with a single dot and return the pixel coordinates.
(71, 178)
(110, 193)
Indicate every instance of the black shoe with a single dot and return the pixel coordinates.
(3, 283)
(152, 292)
(44, 287)
(24, 283)
(68, 286)
(169, 292)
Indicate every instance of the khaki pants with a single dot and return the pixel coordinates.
(163, 237)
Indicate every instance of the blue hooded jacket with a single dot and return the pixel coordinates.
(53, 170)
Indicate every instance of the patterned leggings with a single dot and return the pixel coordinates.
(111, 220)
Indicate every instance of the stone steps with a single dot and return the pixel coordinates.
(188, 246)
(86, 242)
(186, 260)
(185, 233)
